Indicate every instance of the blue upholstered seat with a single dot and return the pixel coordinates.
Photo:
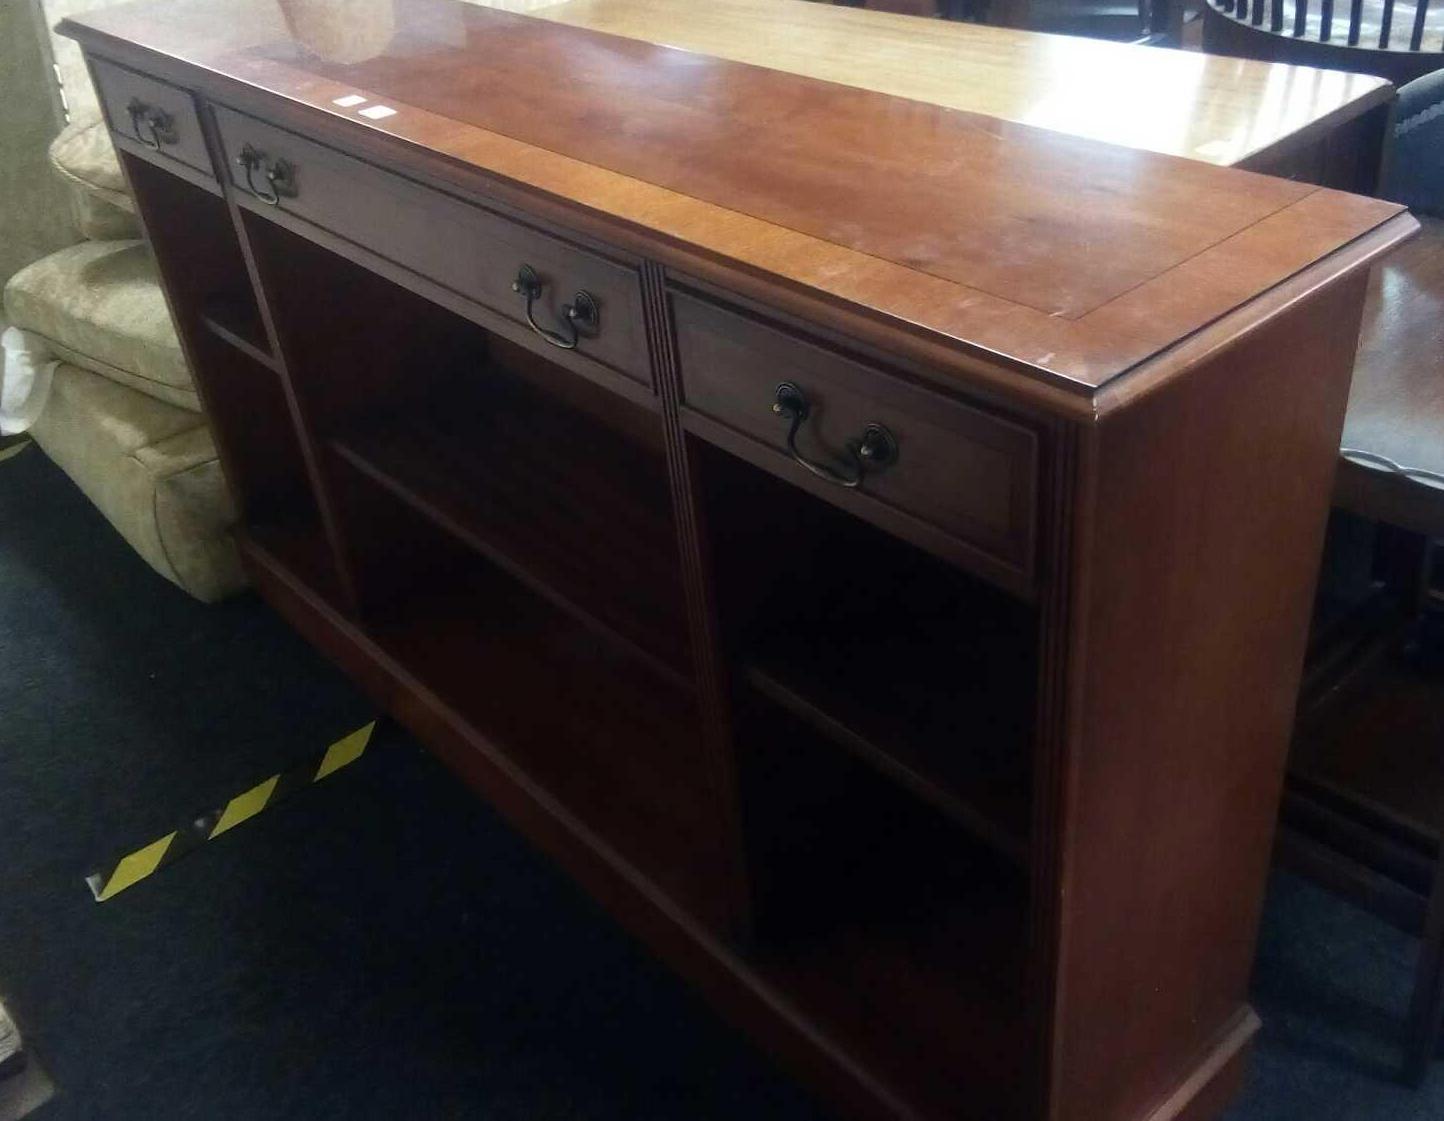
(1416, 174)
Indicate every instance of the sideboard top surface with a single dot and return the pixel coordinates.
(1070, 259)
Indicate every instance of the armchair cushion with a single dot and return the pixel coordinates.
(99, 305)
(86, 160)
(151, 469)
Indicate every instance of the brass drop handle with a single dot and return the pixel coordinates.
(583, 315)
(280, 175)
(152, 127)
(877, 447)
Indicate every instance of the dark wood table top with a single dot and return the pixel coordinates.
(1396, 408)
(1394, 434)
(1070, 260)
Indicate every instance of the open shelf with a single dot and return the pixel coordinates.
(573, 510)
(615, 746)
(300, 549)
(267, 469)
(885, 710)
(235, 320)
(892, 928)
(206, 277)
(949, 723)
(1378, 743)
(558, 482)
(1361, 809)
(915, 668)
(954, 978)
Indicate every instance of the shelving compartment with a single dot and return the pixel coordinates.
(885, 709)
(904, 940)
(921, 671)
(548, 699)
(217, 315)
(558, 482)
(509, 528)
(574, 511)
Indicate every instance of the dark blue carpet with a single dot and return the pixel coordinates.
(382, 946)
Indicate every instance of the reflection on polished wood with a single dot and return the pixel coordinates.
(1218, 110)
(1071, 260)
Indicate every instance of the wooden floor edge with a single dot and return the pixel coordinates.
(1216, 1077)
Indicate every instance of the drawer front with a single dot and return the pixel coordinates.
(963, 473)
(473, 252)
(158, 116)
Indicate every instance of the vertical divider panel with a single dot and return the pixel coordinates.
(263, 289)
(714, 700)
(189, 254)
(1050, 776)
(192, 253)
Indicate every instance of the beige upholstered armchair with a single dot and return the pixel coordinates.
(122, 418)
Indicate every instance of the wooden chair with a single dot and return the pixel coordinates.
(1346, 823)
(1401, 40)
(1146, 22)
(927, 8)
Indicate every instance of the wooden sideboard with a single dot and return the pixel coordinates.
(869, 544)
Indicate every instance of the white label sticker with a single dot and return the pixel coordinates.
(376, 112)
(349, 100)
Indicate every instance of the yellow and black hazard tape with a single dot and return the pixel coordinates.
(129, 870)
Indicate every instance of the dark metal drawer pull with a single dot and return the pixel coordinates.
(582, 315)
(152, 127)
(877, 448)
(280, 175)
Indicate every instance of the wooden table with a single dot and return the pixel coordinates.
(867, 543)
(1364, 808)
(1395, 425)
(1318, 125)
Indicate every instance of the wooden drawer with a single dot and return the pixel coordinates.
(960, 481)
(474, 252)
(155, 115)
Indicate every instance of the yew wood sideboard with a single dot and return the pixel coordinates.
(868, 543)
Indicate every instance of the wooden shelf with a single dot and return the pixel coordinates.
(299, 548)
(1361, 812)
(584, 722)
(986, 794)
(956, 976)
(1378, 745)
(886, 922)
(932, 691)
(923, 673)
(569, 508)
(235, 320)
